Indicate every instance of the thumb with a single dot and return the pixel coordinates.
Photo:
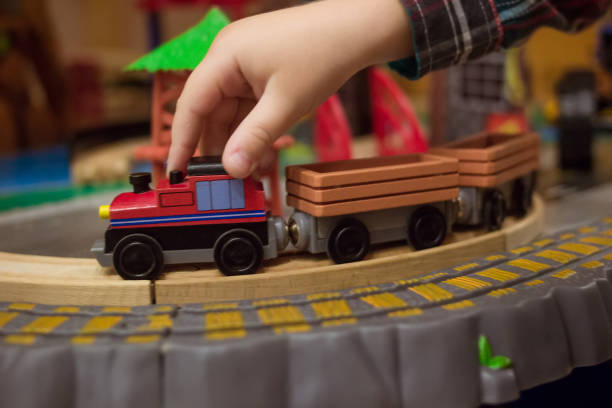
(266, 122)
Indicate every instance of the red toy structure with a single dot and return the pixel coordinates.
(167, 86)
(396, 126)
(332, 132)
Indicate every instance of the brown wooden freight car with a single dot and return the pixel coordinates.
(496, 176)
(342, 207)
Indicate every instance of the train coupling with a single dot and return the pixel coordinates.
(281, 232)
(300, 227)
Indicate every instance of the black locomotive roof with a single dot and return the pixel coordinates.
(205, 166)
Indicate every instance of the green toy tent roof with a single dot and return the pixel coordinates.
(185, 51)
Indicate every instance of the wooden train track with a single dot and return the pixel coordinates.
(73, 281)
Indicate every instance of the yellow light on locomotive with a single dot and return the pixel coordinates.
(104, 212)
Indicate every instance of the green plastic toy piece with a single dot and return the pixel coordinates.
(185, 51)
(485, 354)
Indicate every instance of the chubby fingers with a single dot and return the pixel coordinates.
(266, 122)
(201, 94)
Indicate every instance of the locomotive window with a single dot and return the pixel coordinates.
(203, 195)
(220, 190)
(220, 194)
(237, 193)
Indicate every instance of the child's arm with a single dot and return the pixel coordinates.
(265, 72)
(454, 31)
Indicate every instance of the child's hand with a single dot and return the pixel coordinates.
(264, 73)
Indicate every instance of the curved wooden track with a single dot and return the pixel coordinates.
(52, 280)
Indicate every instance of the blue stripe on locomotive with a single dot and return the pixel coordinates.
(187, 218)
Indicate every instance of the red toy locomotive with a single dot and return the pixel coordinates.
(206, 216)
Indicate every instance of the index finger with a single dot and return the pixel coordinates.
(202, 92)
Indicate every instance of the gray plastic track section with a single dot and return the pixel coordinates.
(548, 320)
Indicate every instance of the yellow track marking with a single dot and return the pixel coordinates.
(528, 264)
(569, 235)
(534, 282)
(564, 274)
(384, 301)
(433, 275)
(498, 274)
(292, 328)
(164, 309)
(325, 295)
(408, 281)
(407, 312)
(467, 283)
(432, 292)
(23, 339)
(558, 256)
(608, 220)
(583, 249)
(586, 230)
(501, 292)
(6, 317)
(465, 267)
(141, 339)
(83, 340)
(223, 321)
(521, 250)
(281, 315)
(220, 306)
(368, 289)
(592, 264)
(157, 322)
(421, 279)
(117, 309)
(44, 324)
(67, 309)
(332, 308)
(100, 324)
(495, 257)
(543, 242)
(459, 305)
(608, 257)
(270, 302)
(226, 334)
(608, 232)
(597, 240)
(339, 322)
(21, 306)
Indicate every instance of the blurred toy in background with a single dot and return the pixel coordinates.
(577, 108)
(30, 117)
(465, 97)
(332, 137)
(604, 57)
(396, 127)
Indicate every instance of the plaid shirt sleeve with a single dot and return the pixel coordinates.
(448, 32)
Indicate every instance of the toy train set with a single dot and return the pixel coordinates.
(340, 208)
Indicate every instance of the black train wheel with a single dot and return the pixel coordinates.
(349, 241)
(426, 228)
(238, 252)
(521, 196)
(138, 257)
(493, 210)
